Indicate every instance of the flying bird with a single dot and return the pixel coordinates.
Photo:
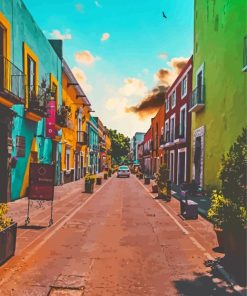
(164, 15)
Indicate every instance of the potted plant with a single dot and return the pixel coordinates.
(146, 180)
(7, 235)
(105, 175)
(99, 180)
(228, 209)
(161, 179)
(89, 183)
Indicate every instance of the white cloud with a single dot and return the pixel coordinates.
(86, 57)
(82, 79)
(97, 3)
(145, 71)
(58, 35)
(133, 87)
(105, 36)
(163, 55)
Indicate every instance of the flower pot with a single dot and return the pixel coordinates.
(99, 181)
(105, 176)
(235, 243)
(140, 176)
(109, 174)
(220, 237)
(146, 180)
(155, 188)
(7, 243)
(89, 186)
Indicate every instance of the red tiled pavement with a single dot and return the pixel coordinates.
(118, 241)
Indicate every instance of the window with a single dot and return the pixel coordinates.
(184, 87)
(167, 130)
(67, 159)
(31, 76)
(245, 54)
(182, 125)
(172, 126)
(167, 105)
(173, 99)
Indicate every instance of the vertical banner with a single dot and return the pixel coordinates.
(51, 120)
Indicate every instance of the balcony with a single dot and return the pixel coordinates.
(81, 138)
(168, 140)
(197, 99)
(180, 135)
(11, 82)
(245, 55)
(62, 115)
(162, 141)
(38, 99)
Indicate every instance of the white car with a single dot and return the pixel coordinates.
(123, 171)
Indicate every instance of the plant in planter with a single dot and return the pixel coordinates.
(105, 175)
(7, 235)
(228, 208)
(161, 179)
(99, 180)
(89, 183)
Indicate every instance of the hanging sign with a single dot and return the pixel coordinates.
(51, 120)
(41, 182)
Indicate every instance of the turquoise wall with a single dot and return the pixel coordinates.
(220, 27)
(24, 29)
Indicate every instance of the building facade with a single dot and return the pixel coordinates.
(93, 165)
(147, 151)
(177, 126)
(30, 84)
(157, 129)
(218, 103)
(137, 138)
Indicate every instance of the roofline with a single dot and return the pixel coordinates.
(72, 79)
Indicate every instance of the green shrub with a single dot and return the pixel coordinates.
(4, 220)
(228, 207)
(162, 176)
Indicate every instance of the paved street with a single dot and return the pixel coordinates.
(117, 241)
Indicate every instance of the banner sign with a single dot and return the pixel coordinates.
(51, 120)
(41, 182)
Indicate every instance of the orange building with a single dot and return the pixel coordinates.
(157, 127)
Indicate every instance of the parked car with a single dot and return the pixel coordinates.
(123, 171)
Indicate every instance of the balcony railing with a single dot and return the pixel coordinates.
(38, 99)
(81, 138)
(180, 135)
(245, 55)
(197, 99)
(11, 81)
(62, 115)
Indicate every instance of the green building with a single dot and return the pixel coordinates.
(219, 98)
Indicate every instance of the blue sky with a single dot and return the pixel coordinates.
(115, 47)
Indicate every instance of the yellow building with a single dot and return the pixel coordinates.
(75, 113)
(108, 148)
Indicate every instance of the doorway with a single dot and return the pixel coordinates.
(181, 167)
(197, 160)
(4, 159)
(171, 170)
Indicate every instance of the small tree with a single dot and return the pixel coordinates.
(233, 171)
(162, 176)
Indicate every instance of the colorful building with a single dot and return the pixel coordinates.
(140, 153)
(93, 156)
(177, 126)
(73, 117)
(108, 148)
(157, 129)
(30, 83)
(147, 150)
(138, 138)
(218, 102)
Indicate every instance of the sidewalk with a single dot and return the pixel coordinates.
(204, 202)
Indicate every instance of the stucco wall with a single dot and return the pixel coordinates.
(220, 27)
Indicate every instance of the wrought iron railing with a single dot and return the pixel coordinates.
(38, 99)
(81, 137)
(12, 79)
(197, 96)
